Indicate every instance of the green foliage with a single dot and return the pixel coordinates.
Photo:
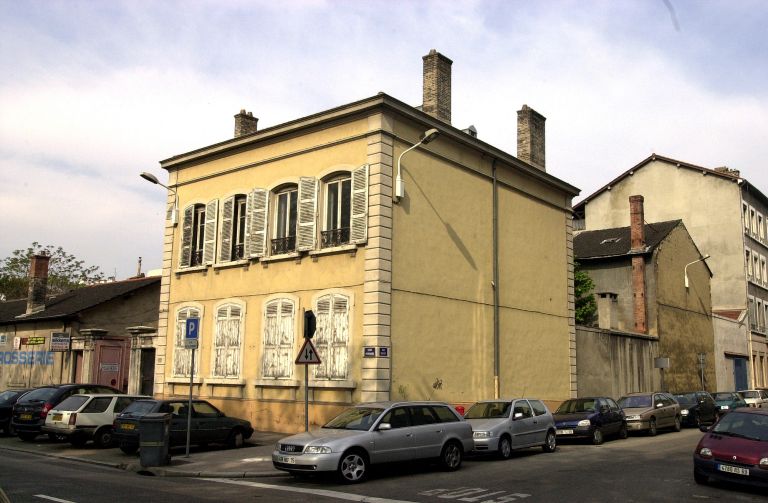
(586, 306)
(65, 272)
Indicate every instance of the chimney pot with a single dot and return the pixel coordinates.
(38, 283)
(637, 222)
(530, 137)
(245, 123)
(437, 86)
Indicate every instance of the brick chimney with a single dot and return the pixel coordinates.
(530, 137)
(38, 283)
(637, 243)
(245, 123)
(437, 86)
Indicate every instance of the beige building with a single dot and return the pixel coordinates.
(725, 215)
(452, 284)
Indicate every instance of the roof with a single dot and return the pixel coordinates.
(74, 302)
(579, 208)
(616, 242)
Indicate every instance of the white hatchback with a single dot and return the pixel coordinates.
(80, 418)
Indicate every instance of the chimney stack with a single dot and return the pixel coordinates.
(637, 243)
(530, 137)
(245, 123)
(437, 86)
(38, 283)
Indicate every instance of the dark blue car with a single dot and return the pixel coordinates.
(593, 418)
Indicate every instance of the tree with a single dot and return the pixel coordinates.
(65, 272)
(586, 306)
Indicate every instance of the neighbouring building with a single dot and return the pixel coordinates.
(452, 284)
(654, 323)
(726, 216)
(96, 334)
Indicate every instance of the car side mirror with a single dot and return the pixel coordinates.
(385, 427)
(659, 405)
(517, 415)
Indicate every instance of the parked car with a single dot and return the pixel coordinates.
(81, 418)
(502, 426)
(373, 433)
(593, 418)
(30, 410)
(649, 412)
(696, 408)
(209, 424)
(729, 400)
(735, 449)
(757, 398)
(7, 400)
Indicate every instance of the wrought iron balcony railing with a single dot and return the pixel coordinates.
(283, 245)
(335, 237)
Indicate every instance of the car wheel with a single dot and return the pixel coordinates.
(652, 427)
(129, 448)
(77, 440)
(550, 443)
(450, 458)
(353, 467)
(678, 423)
(103, 437)
(27, 436)
(236, 439)
(623, 433)
(597, 436)
(505, 447)
(700, 478)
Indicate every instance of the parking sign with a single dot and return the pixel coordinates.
(191, 335)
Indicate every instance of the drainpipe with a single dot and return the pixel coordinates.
(496, 390)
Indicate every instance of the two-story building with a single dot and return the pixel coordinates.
(438, 266)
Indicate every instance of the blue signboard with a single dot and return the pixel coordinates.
(193, 328)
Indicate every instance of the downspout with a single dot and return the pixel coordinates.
(748, 327)
(496, 390)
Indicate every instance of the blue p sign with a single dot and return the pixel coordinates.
(193, 328)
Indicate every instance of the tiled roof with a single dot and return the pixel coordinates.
(616, 242)
(73, 302)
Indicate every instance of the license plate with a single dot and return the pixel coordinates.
(25, 417)
(286, 459)
(565, 432)
(733, 469)
(127, 426)
(56, 417)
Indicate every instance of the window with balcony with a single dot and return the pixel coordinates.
(745, 215)
(279, 334)
(232, 233)
(285, 221)
(182, 357)
(198, 234)
(227, 341)
(748, 262)
(332, 336)
(760, 227)
(345, 217)
(753, 220)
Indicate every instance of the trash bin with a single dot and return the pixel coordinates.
(154, 439)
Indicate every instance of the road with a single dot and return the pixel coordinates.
(639, 469)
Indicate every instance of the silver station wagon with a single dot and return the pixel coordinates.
(374, 433)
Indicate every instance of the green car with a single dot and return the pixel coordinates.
(728, 400)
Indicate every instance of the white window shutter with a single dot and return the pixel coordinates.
(307, 213)
(359, 231)
(209, 243)
(185, 259)
(225, 230)
(258, 202)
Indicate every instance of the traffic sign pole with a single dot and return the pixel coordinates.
(190, 342)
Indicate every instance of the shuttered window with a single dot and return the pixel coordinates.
(209, 242)
(346, 209)
(232, 228)
(332, 336)
(227, 341)
(258, 205)
(285, 220)
(279, 334)
(307, 213)
(192, 236)
(181, 355)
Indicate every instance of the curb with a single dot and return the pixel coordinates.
(171, 472)
(69, 458)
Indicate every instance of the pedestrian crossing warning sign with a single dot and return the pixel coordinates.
(308, 354)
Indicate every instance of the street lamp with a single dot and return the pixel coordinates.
(705, 257)
(428, 136)
(153, 179)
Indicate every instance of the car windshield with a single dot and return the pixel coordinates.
(39, 394)
(750, 394)
(72, 403)
(741, 424)
(488, 410)
(575, 406)
(140, 407)
(356, 418)
(630, 402)
(686, 398)
(724, 396)
(6, 396)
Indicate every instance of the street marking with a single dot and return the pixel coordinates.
(317, 492)
(475, 495)
(43, 496)
(255, 460)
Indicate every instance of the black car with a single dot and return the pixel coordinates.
(697, 408)
(593, 418)
(30, 410)
(209, 424)
(7, 400)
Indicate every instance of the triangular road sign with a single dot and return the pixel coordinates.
(308, 354)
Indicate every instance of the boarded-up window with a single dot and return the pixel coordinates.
(181, 355)
(227, 341)
(277, 360)
(332, 336)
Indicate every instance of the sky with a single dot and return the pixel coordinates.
(94, 92)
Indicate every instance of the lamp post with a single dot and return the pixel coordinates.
(153, 179)
(705, 257)
(428, 136)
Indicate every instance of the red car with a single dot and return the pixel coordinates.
(735, 449)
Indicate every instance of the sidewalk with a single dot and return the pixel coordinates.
(254, 459)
